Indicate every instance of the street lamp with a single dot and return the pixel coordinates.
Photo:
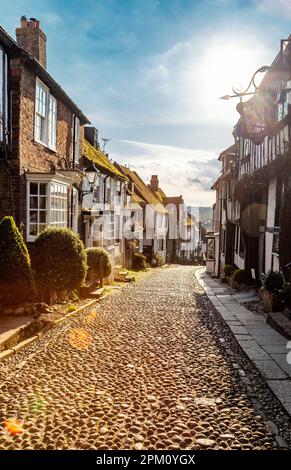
(91, 177)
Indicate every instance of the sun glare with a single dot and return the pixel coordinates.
(229, 65)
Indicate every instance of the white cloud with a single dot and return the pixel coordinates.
(185, 171)
(279, 7)
(186, 81)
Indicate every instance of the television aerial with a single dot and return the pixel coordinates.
(105, 142)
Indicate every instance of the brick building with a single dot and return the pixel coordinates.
(41, 138)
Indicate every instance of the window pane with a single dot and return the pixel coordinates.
(33, 216)
(33, 202)
(42, 188)
(42, 228)
(42, 217)
(42, 202)
(33, 230)
(52, 122)
(33, 188)
(76, 139)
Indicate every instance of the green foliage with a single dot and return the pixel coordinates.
(157, 261)
(16, 281)
(99, 263)
(239, 276)
(71, 308)
(273, 281)
(74, 296)
(59, 261)
(139, 262)
(228, 270)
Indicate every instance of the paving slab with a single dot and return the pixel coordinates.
(270, 369)
(281, 388)
(281, 359)
(10, 325)
(275, 349)
(264, 346)
(238, 330)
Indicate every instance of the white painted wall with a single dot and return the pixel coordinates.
(270, 223)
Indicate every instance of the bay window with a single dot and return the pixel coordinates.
(45, 116)
(47, 206)
(3, 95)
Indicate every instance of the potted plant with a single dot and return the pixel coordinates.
(271, 291)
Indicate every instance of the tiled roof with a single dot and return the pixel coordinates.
(229, 151)
(101, 160)
(160, 195)
(175, 200)
(141, 189)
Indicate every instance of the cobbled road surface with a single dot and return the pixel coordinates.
(142, 370)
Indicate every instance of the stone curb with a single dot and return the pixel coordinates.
(9, 352)
(216, 305)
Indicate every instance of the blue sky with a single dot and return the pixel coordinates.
(148, 74)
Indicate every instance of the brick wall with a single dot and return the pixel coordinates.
(26, 154)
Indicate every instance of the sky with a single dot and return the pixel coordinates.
(149, 74)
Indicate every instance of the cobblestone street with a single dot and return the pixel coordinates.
(145, 369)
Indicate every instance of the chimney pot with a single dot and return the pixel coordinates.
(23, 21)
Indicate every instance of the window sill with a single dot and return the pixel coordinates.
(51, 149)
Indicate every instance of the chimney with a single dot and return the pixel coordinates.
(154, 184)
(32, 39)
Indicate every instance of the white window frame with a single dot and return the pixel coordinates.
(38, 179)
(74, 209)
(48, 115)
(76, 149)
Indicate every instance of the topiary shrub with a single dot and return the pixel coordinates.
(139, 262)
(273, 281)
(239, 276)
(99, 264)
(59, 260)
(16, 280)
(157, 261)
(228, 270)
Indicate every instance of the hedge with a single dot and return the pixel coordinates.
(99, 263)
(16, 280)
(59, 260)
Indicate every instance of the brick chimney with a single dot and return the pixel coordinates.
(32, 39)
(154, 184)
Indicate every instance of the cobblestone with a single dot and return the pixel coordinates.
(146, 369)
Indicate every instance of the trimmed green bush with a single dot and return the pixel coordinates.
(139, 262)
(157, 261)
(239, 276)
(16, 280)
(99, 263)
(228, 270)
(273, 281)
(59, 260)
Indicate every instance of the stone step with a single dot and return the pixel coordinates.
(123, 278)
(96, 294)
(280, 323)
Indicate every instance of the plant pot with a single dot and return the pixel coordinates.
(271, 300)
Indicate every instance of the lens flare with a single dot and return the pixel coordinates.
(91, 316)
(80, 338)
(14, 426)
